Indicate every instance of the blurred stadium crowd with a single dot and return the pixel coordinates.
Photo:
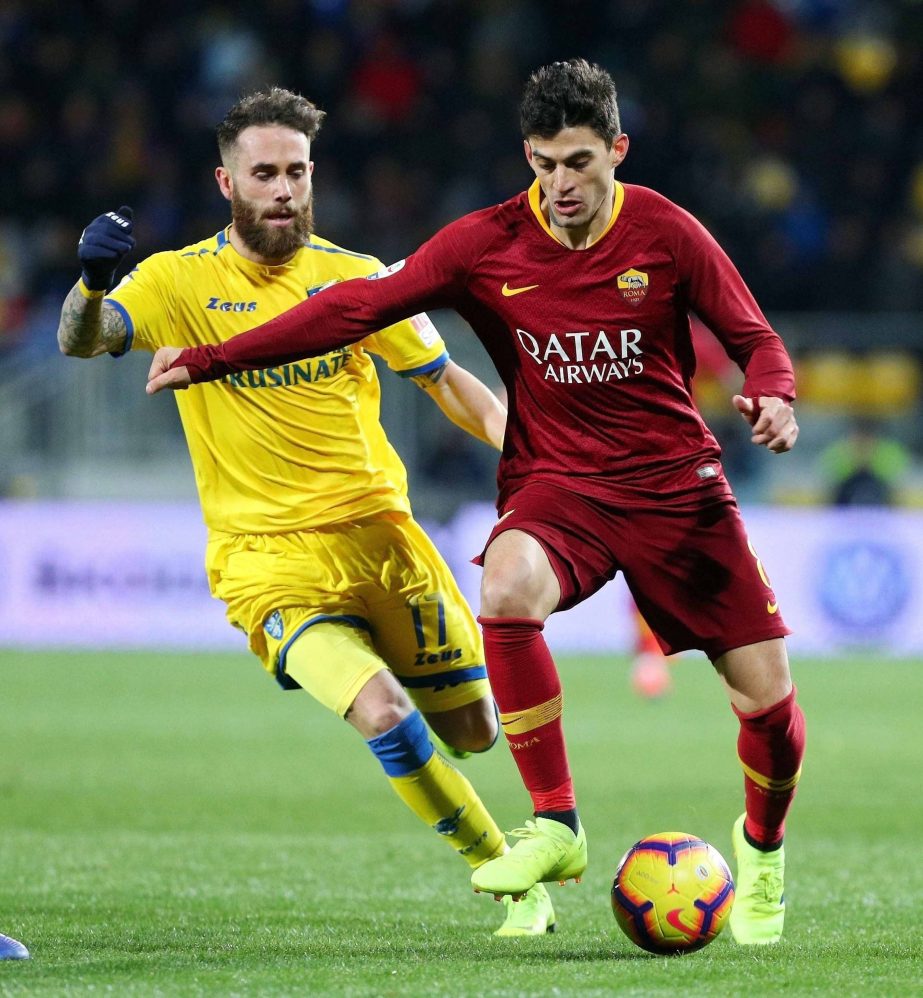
(792, 128)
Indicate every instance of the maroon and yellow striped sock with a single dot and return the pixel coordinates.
(770, 747)
(526, 686)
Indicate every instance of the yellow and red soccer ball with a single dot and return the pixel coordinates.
(672, 893)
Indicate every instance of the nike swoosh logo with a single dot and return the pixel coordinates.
(674, 920)
(772, 607)
(508, 292)
(512, 720)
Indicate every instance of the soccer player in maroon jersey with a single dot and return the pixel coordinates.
(580, 289)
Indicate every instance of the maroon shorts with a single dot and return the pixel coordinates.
(693, 573)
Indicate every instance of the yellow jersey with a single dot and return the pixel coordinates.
(293, 447)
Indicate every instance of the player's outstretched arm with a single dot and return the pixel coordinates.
(467, 402)
(315, 326)
(772, 419)
(433, 277)
(88, 327)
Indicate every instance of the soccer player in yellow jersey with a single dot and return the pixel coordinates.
(311, 540)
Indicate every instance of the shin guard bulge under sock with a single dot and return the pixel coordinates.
(526, 686)
(770, 746)
(436, 791)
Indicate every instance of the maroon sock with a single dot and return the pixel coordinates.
(527, 689)
(770, 747)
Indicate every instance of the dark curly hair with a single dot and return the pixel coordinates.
(567, 95)
(275, 106)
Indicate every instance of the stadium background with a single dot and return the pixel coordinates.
(792, 128)
(170, 824)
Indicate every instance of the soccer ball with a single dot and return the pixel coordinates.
(672, 893)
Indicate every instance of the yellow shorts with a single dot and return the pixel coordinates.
(357, 598)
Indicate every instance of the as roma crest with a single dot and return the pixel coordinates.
(633, 286)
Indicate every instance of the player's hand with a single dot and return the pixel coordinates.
(102, 247)
(162, 376)
(773, 422)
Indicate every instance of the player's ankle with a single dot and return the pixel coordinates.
(763, 845)
(568, 818)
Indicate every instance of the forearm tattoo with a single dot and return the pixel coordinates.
(88, 328)
(431, 378)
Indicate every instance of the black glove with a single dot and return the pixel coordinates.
(102, 247)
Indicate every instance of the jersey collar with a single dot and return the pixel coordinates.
(535, 202)
(251, 266)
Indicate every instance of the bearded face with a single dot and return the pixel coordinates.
(275, 232)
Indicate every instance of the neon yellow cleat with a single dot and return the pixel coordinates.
(532, 915)
(759, 903)
(547, 850)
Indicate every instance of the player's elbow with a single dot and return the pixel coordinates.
(68, 350)
(71, 348)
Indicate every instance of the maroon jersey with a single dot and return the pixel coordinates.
(593, 345)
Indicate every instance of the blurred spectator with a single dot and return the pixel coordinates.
(386, 83)
(650, 674)
(865, 468)
(790, 126)
(456, 461)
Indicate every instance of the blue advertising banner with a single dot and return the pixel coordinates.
(132, 575)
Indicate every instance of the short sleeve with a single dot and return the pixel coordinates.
(146, 300)
(410, 347)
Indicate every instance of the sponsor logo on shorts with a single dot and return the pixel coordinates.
(707, 471)
(274, 626)
(434, 658)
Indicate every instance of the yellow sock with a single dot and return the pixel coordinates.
(439, 795)
(436, 791)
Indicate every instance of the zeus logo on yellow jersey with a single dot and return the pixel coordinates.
(216, 304)
(287, 375)
(583, 357)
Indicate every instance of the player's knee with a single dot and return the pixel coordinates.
(485, 726)
(380, 705)
(508, 594)
(388, 716)
(481, 735)
(472, 728)
(757, 675)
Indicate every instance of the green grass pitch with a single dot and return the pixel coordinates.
(173, 825)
